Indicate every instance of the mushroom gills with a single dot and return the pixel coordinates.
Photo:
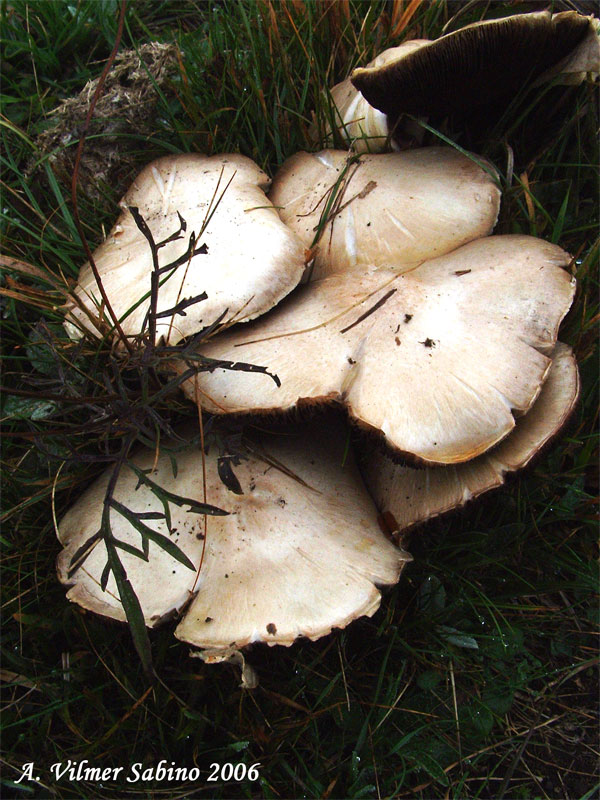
(466, 81)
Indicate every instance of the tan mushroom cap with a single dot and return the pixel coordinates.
(415, 495)
(482, 65)
(394, 209)
(290, 560)
(436, 359)
(356, 121)
(162, 584)
(253, 259)
(296, 556)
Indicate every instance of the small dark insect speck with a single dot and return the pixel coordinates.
(408, 317)
(368, 224)
(351, 360)
(208, 619)
(272, 628)
(397, 340)
(460, 272)
(226, 575)
(428, 343)
(200, 536)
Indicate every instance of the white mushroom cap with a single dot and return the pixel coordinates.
(290, 560)
(299, 553)
(253, 259)
(394, 209)
(356, 121)
(415, 495)
(436, 359)
(162, 584)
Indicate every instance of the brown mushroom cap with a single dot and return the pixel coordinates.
(415, 495)
(436, 358)
(299, 553)
(252, 261)
(392, 210)
(480, 66)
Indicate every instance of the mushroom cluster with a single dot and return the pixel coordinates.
(431, 342)
(367, 282)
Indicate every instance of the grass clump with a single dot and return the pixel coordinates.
(478, 676)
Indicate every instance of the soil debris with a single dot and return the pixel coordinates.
(123, 115)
